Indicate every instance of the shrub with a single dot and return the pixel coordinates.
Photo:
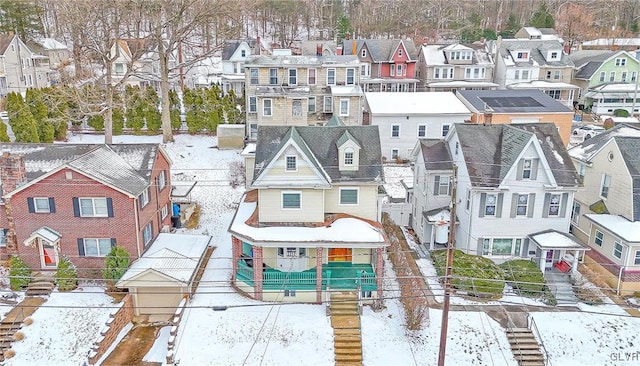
(18, 336)
(115, 264)
(608, 124)
(19, 273)
(27, 321)
(525, 277)
(66, 275)
(621, 113)
(236, 173)
(474, 274)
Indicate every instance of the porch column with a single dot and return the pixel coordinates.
(432, 242)
(319, 254)
(543, 260)
(236, 249)
(379, 271)
(574, 264)
(257, 272)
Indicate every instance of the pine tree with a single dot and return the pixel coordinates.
(66, 274)
(96, 122)
(134, 109)
(116, 264)
(150, 110)
(19, 273)
(4, 136)
(118, 120)
(21, 120)
(542, 18)
(174, 104)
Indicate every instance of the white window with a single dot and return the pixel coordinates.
(266, 108)
(96, 247)
(144, 198)
(443, 73)
(612, 76)
(253, 73)
(328, 104)
(291, 163)
(365, 69)
(633, 76)
(395, 154)
(636, 259)
(344, 107)
(351, 76)
(617, 250)
(623, 77)
(291, 200)
(296, 108)
(554, 205)
(253, 105)
(474, 73)
(395, 130)
(312, 105)
(312, 77)
(441, 185)
(162, 180)
(522, 204)
(422, 130)
(517, 75)
(555, 94)
(93, 207)
(575, 212)
(119, 68)
(273, 76)
(348, 196)
(147, 233)
(490, 205)
(41, 204)
(526, 168)
(363, 53)
(523, 55)
(604, 186)
(289, 293)
(293, 76)
(445, 130)
(621, 62)
(348, 156)
(392, 70)
(164, 211)
(501, 246)
(525, 74)
(331, 76)
(554, 55)
(602, 75)
(598, 238)
(399, 70)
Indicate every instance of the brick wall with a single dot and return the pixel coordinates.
(257, 272)
(319, 258)
(236, 249)
(118, 319)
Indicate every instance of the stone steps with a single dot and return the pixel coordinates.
(345, 320)
(525, 347)
(41, 284)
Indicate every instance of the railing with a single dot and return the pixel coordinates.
(271, 278)
(245, 271)
(531, 324)
(367, 280)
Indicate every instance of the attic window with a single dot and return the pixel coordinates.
(243, 53)
(364, 52)
(523, 55)
(291, 164)
(400, 52)
(348, 156)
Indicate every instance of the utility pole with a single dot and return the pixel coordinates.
(449, 270)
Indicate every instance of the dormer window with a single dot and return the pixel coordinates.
(523, 55)
(348, 156)
(400, 52)
(243, 53)
(291, 163)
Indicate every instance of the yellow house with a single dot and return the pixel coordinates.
(517, 106)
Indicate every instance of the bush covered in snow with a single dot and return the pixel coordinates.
(66, 275)
(19, 273)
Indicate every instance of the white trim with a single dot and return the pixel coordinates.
(357, 189)
(93, 206)
(282, 193)
(84, 244)
(35, 205)
(340, 112)
(391, 135)
(270, 107)
(335, 74)
(315, 81)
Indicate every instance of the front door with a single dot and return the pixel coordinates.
(549, 259)
(48, 254)
(340, 255)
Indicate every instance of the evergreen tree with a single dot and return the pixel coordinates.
(66, 274)
(213, 108)
(4, 136)
(174, 104)
(512, 27)
(343, 28)
(118, 120)
(542, 18)
(150, 110)
(21, 120)
(23, 17)
(34, 99)
(194, 107)
(96, 122)
(134, 109)
(19, 273)
(231, 110)
(116, 264)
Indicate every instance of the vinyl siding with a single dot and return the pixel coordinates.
(367, 202)
(361, 256)
(270, 206)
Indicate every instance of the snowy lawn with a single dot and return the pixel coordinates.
(64, 328)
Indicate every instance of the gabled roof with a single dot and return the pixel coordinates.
(536, 56)
(434, 54)
(334, 121)
(589, 61)
(126, 167)
(346, 136)
(490, 151)
(50, 44)
(381, 50)
(5, 41)
(435, 154)
(230, 47)
(321, 142)
(512, 101)
(292, 61)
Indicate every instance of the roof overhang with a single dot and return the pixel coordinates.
(556, 240)
(44, 233)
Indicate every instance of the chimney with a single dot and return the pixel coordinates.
(258, 45)
(424, 41)
(353, 47)
(319, 49)
(567, 48)
(339, 50)
(12, 171)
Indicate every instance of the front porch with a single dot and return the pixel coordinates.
(558, 250)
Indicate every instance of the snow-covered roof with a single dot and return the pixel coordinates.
(613, 42)
(396, 178)
(552, 239)
(51, 44)
(542, 84)
(349, 231)
(462, 84)
(45, 233)
(439, 215)
(590, 147)
(172, 255)
(420, 103)
(629, 231)
(346, 90)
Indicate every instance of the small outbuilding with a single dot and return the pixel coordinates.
(166, 273)
(230, 136)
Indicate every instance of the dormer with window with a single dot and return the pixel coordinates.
(348, 153)
(460, 56)
(520, 55)
(554, 55)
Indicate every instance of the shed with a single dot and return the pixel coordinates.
(230, 136)
(165, 273)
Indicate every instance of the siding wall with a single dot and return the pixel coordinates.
(270, 206)
(367, 202)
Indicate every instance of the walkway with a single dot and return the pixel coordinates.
(135, 345)
(345, 320)
(560, 285)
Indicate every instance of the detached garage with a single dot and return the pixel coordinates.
(165, 274)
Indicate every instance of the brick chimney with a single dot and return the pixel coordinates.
(567, 48)
(354, 44)
(258, 45)
(319, 49)
(12, 175)
(339, 50)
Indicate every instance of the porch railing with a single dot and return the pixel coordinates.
(272, 278)
(244, 271)
(367, 280)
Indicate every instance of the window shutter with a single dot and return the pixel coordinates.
(532, 201)
(525, 247)
(545, 208)
(563, 204)
(534, 168)
(436, 184)
(520, 169)
(32, 207)
(52, 205)
(480, 249)
(113, 242)
(483, 199)
(81, 247)
(514, 204)
(109, 207)
(499, 205)
(76, 207)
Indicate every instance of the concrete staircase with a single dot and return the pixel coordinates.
(525, 347)
(345, 320)
(41, 284)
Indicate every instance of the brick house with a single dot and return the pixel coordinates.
(80, 200)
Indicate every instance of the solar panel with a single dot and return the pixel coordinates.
(510, 102)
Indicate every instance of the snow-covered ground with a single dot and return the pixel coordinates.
(257, 333)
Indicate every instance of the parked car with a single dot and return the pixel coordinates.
(588, 131)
